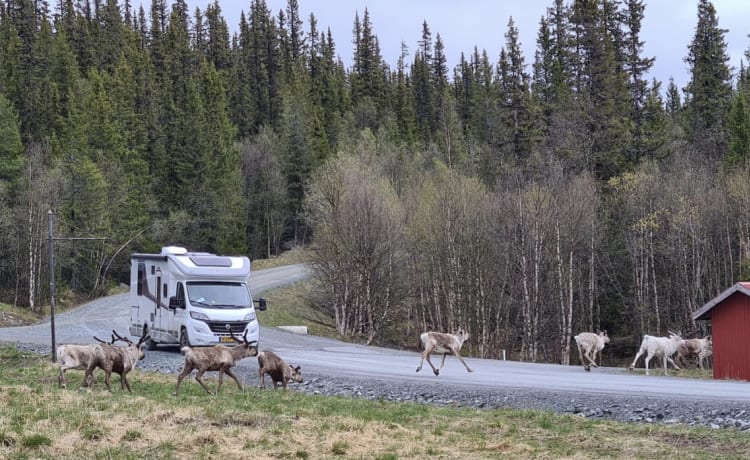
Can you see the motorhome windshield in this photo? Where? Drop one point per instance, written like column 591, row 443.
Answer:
column 213, row 294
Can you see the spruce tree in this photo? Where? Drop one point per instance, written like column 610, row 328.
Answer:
column 709, row 91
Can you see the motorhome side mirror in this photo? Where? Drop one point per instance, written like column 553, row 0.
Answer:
column 174, row 303
column 261, row 304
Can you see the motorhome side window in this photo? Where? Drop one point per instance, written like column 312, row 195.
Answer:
column 164, row 291
column 180, row 292
column 141, row 277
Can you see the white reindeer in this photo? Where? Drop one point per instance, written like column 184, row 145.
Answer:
column 663, row 347
column 72, row 356
column 441, row 342
column 589, row 344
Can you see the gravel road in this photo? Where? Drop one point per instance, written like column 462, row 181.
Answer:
column 102, row 315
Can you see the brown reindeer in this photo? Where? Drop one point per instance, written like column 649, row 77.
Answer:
column 120, row 360
column 441, row 342
column 280, row 372
column 216, row 358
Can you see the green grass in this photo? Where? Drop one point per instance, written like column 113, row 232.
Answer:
column 40, row 420
column 291, row 306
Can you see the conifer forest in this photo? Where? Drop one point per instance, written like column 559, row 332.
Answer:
column 523, row 198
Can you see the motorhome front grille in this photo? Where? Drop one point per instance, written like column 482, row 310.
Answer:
column 225, row 327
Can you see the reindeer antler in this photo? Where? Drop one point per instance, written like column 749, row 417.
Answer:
column 119, row 337
column 244, row 338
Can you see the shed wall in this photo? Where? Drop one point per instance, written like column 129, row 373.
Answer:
column 730, row 328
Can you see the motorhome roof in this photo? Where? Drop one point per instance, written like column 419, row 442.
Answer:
column 201, row 264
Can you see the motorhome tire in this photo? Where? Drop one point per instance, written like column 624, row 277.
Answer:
column 150, row 344
column 184, row 339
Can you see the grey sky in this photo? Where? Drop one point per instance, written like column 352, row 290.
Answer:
column 668, row 26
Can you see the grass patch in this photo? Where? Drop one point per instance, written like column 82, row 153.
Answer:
column 291, row 306
column 40, row 420
column 293, row 256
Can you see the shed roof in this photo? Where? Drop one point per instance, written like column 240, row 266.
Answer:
column 704, row 313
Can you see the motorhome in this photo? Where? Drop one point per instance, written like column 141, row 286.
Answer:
column 191, row 298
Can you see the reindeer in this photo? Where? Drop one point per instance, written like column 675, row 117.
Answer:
column 216, row 358
column 440, row 342
column 120, row 360
column 272, row 364
column 72, row 356
column 663, row 347
column 589, row 344
column 702, row 348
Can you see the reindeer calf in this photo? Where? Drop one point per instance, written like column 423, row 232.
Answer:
column 589, row 344
column 272, row 364
column 216, row 358
column 441, row 342
column 702, row 348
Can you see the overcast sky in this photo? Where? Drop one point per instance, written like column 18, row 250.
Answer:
column 668, row 26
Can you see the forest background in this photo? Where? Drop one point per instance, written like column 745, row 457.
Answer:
column 522, row 198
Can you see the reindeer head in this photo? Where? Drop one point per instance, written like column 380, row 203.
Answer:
column 295, row 373
column 245, row 349
column 462, row 335
column 139, row 347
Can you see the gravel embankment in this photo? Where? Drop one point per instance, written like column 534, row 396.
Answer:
column 712, row 414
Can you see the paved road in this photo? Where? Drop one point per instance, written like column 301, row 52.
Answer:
column 331, row 357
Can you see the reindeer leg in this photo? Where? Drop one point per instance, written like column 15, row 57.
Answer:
column 419, row 368
column 200, row 380
column 221, row 379
column 463, row 362
column 231, row 374
column 434, row 369
column 648, row 358
column 187, row 370
column 586, row 367
column 667, row 358
column 442, row 362
column 124, row 379
column 262, row 371
column 638, row 355
column 106, row 379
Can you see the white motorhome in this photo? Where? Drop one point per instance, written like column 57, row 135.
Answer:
column 191, row 298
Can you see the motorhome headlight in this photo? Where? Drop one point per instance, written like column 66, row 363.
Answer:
column 199, row 316
column 250, row 316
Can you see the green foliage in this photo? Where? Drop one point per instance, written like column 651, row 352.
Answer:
column 11, row 149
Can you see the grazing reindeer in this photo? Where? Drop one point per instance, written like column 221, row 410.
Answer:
column 702, row 348
column 440, row 342
column 120, row 360
column 272, row 364
column 663, row 347
column 216, row 358
column 71, row 356
column 589, row 344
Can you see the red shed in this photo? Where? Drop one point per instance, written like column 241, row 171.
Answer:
column 729, row 314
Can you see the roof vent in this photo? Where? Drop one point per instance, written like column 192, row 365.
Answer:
column 177, row 250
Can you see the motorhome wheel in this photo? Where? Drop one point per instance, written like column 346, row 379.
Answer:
column 184, row 339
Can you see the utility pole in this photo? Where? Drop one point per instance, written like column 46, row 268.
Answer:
column 50, row 222
column 51, row 226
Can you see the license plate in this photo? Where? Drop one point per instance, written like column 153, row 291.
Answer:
column 226, row 339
